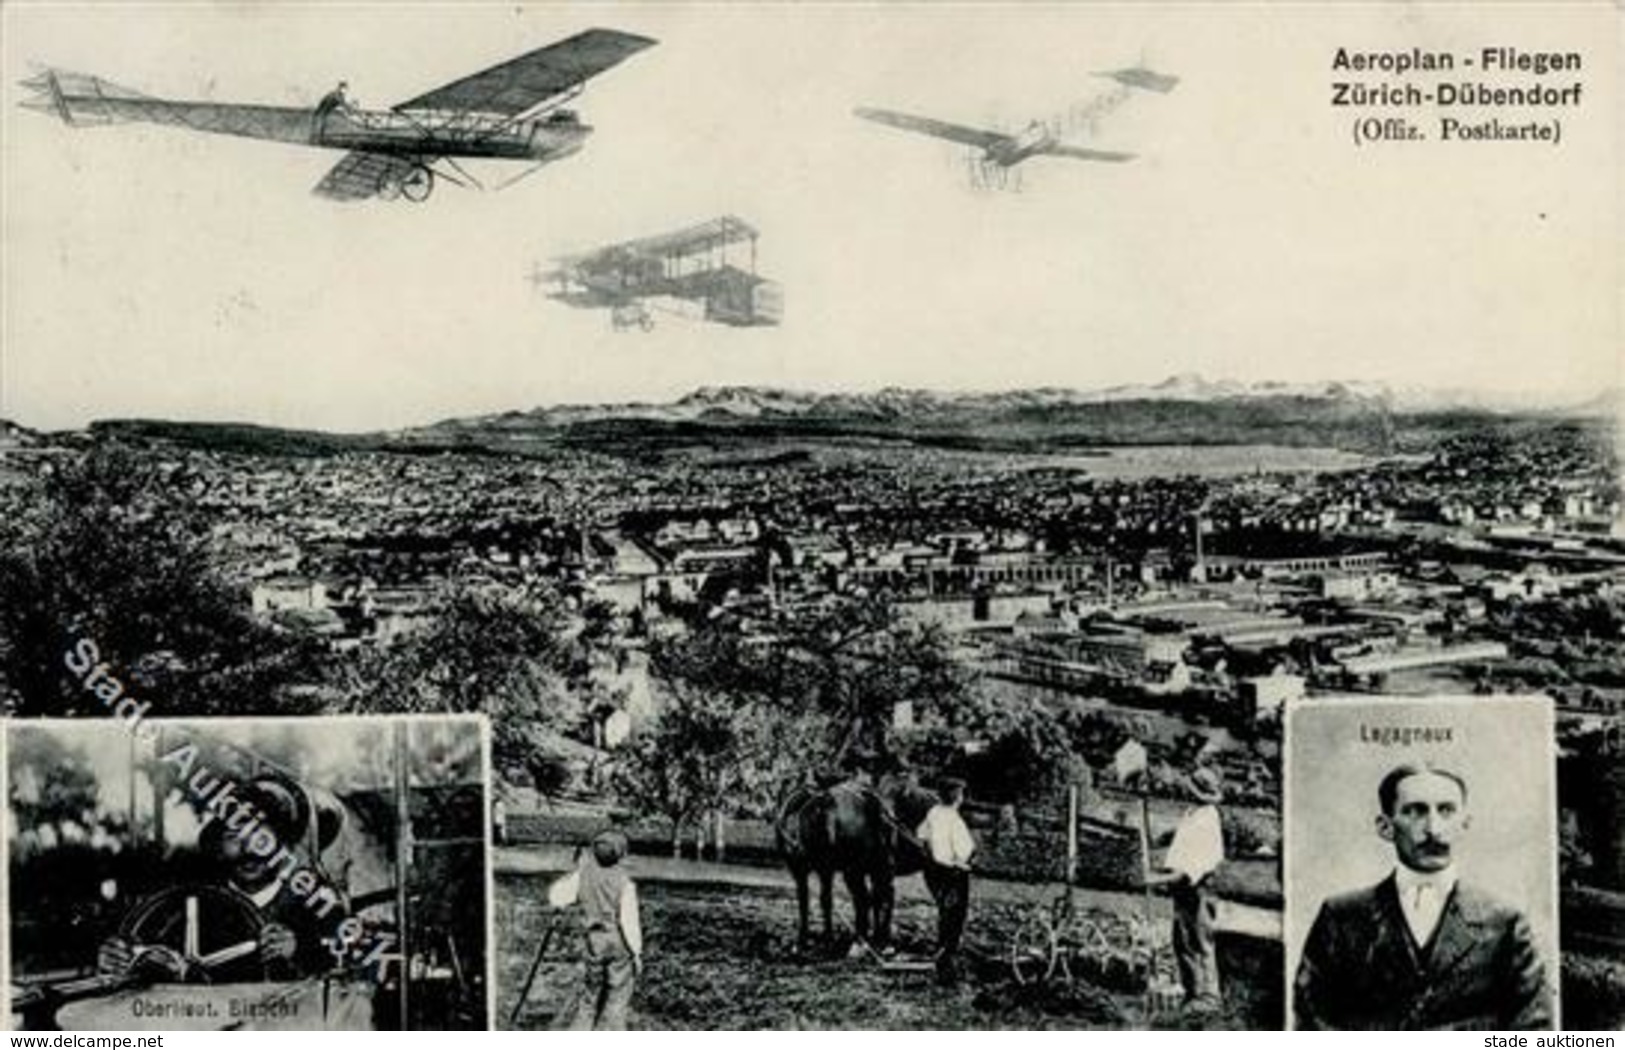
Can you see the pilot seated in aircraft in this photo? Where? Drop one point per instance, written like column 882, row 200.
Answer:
column 288, row 934
column 337, row 100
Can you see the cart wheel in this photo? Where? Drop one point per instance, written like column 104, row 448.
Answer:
column 1090, row 938
column 1033, row 950
column 1080, row 946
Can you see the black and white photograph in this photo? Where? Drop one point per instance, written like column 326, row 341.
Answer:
column 1591, row 856
column 1421, row 866
column 881, row 472
column 269, row 875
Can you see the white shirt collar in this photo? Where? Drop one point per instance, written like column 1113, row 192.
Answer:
column 263, row 896
column 1408, row 880
column 1422, row 897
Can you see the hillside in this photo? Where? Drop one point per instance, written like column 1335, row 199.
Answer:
column 13, row 436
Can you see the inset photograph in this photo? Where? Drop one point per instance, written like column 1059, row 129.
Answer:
column 271, row 874
column 1421, row 859
column 1591, row 858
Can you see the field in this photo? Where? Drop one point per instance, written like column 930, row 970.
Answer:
column 722, row 956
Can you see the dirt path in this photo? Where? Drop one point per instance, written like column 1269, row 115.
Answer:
column 546, row 859
column 721, row 953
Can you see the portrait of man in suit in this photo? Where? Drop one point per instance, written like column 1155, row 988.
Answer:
column 1425, row 947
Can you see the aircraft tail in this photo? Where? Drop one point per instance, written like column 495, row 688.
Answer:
column 78, row 98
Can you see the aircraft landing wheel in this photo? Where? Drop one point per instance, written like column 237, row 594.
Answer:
column 389, row 188
column 417, row 184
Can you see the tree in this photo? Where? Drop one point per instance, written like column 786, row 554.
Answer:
column 110, row 549
column 690, row 763
column 825, row 688
column 1009, row 751
column 51, row 782
column 854, row 665
column 501, row 653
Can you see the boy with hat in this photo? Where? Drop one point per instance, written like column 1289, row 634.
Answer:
column 614, row 934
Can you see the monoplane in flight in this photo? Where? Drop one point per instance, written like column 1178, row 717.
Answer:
column 999, row 150
column 996, row 153
column 511, row 111
column 1142, row 78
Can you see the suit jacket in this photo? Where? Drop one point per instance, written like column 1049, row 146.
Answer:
column 1361, row 969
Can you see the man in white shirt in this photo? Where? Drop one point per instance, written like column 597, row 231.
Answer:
column 1421, row 949
column 948, row 847
column 614, row 934
column 1196, row 851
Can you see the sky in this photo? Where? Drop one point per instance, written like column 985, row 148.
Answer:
column 156, row 272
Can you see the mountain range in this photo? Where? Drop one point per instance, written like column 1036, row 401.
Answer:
column 897, row 403
column 1183, row 409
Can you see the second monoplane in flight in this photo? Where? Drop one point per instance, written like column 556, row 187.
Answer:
column 511, row 111
column 997, row 153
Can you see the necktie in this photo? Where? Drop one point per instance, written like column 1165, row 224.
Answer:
column 1422, row 908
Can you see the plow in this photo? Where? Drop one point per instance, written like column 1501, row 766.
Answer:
column 1060, row 943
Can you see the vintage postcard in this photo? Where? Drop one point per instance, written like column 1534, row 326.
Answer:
column 1421, row 863
column 882, row 470
column 266, row 874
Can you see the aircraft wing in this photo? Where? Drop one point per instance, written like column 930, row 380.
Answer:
column 1143, row 78
column 936, row 128
column 359, row 175
column 1079, row 153
column 523, row 83
column 697, row 239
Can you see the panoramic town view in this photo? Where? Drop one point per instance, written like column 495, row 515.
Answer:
column 678, row 615
column 812, row 516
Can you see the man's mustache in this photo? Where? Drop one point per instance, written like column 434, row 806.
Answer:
column 1433, row 846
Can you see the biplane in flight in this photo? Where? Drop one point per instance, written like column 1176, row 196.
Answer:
column 997, row 153
column 511, row 111
column 688, row 264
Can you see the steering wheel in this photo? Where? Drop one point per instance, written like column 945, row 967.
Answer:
column 195, row 933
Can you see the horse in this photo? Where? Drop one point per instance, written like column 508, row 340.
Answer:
column 866, row 834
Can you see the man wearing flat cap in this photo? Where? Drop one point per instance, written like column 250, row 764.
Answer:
column 614, row 935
